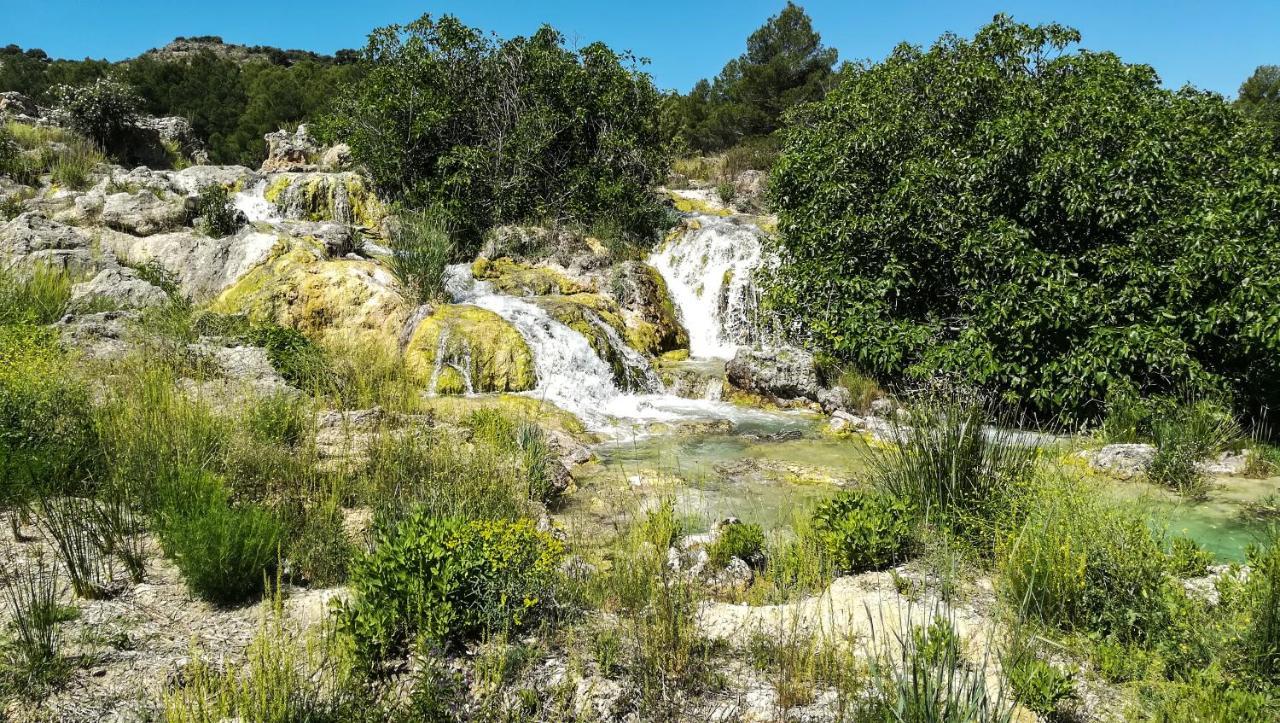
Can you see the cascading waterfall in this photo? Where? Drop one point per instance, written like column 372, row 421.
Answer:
column 709, row 272
column 253, row 203
column 569, row 372
column 639, row 374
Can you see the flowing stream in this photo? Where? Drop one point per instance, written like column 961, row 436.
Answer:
column 252, row 202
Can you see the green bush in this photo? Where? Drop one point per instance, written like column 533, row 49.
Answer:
column 102, row 111
column 1036, row 684
column 863, row 529
column 1081, row 563
column 744, row 541
column 421, row 248
column 446, row 580
column 1192, row 433
column 420, row 122
column 725, row 191
column 1262, row 640
column 1028, row 219
column 226, row 553
column 1187, row 558
column 214, row 213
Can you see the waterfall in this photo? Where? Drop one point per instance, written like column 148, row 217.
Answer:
column 252, row 202
column 709, row 272
column 639, row 374
column 573, row 377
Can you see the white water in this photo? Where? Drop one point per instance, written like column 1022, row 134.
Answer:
column 573, row 377
column 253, row 203
column 719, row 316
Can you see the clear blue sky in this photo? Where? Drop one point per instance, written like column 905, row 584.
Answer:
column 1213, row 45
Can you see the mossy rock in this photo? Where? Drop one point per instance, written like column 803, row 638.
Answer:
column 515, row 279
column 297, row 287
column 471, row 342
column 652, row 325
column 341, row 197
column 695, row 205
column 580, row 312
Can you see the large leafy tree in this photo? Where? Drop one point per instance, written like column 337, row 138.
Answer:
column 1035, row 221
column 785, row 64
column 1260, row 98
column 492, row 131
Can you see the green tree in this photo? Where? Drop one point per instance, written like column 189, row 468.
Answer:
column 1260, row 98
column 1033, row 221
column 785, row 65
column 497, row 131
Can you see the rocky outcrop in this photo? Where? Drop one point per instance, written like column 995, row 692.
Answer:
column 653, row 326
column 336, row 158
column 143, row 213
column 33, row 239
column 116, row 288
column 287, row 151
column 1123, row 461
column 463, row 349
column 204, row 267
column 782, row 373
column 516, row 279
column 344, row 198
column 18, row 107
column 177, row 133
column 103, row 335
column 749, row 190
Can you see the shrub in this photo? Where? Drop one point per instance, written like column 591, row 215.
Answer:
column 214, row 213
column 421, row 248
column 419, row 121
column 226, row 554
column 744, row 541
column 991, row 209
column 1184, row 438
column 73, row 167
column 958, row 464
column 446, row 580
column 32, row 658
column 72, row 523
column 10, row 160
column 1036, row 684
column 1080, row 563
column 102, row 111
column 864, row 529
column 725, row 191
column 1262, row 640
column 277, row 418
column 1187, row 558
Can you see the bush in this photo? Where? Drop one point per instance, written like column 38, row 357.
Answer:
column 214, row 213
column 421, row 248
column 743, row 541
column 958, row 464
column 725, row 191
column 446, row 580
column 1188, row 559
column 103, row 111
column 864, row 529
column 1036, row 684
column 582, row 141
column 1079, row 563
column 1190, row 434
column 1262, row 640
column 994, row 209
column 226, row 554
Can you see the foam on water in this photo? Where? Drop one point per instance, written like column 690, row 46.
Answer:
column 254, row 204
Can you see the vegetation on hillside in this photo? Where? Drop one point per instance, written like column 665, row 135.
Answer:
column 1039, row 222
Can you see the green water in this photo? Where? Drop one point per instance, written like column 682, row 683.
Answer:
column 1221, row 523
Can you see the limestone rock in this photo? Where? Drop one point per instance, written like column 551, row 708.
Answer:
column 19, row 107
column 598, row 698
column 103, row 336
column 33, row 239
column 749, row 190
column 290, row 152
column 118, row 287
column 204, row 267
column 462, row 348
column 177, row 132
column 336, row 158
column 1123, row 461
column 776, row 372
column 653, row 327
column 144, row 213
column 190, row 180
column 344, row 198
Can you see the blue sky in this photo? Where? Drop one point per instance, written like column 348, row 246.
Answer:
column 1213, row 45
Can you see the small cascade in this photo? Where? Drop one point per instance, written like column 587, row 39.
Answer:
column 709, row 272
column 253, row 203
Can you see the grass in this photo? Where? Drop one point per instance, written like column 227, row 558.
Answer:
column 36, row 295
column 33, row 660
column 421, row 248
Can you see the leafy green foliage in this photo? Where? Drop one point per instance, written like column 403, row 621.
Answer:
column 1263, row 636
column 744, row 541
column 301, row 362
column 1038, row 685
column 226, row 553
column 863, row 529
column 785, row 65
column 1034, row 221
column 578, row 137
column 102, row 111
column 447, row 579
column 1190, row 434
column 1187, row 558
column 217, row 217
column 1260, row 99
column 421, row 248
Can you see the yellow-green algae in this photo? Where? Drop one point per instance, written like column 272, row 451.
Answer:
column 474, row 339
column 516, row 279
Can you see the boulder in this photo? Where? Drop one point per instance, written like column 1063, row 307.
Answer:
column 204, row 267
column 117, row 287
column 19, row 107
column 103, row 336
column 338, row 197
column 781, row 373
column 653, row 327
column 1123, row 461
column 464, row 349
column 176, row 132
column 193, row 178
column 749, row 189
column 336, row 158
column 290, row 151
column 144, row 213
column 33, row 239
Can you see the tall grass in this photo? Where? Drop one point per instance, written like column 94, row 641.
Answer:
column 1191, row 433
column 421, row 248
column 81, row 543
column 38, row 295
column 33, row 657
column 68, row 157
